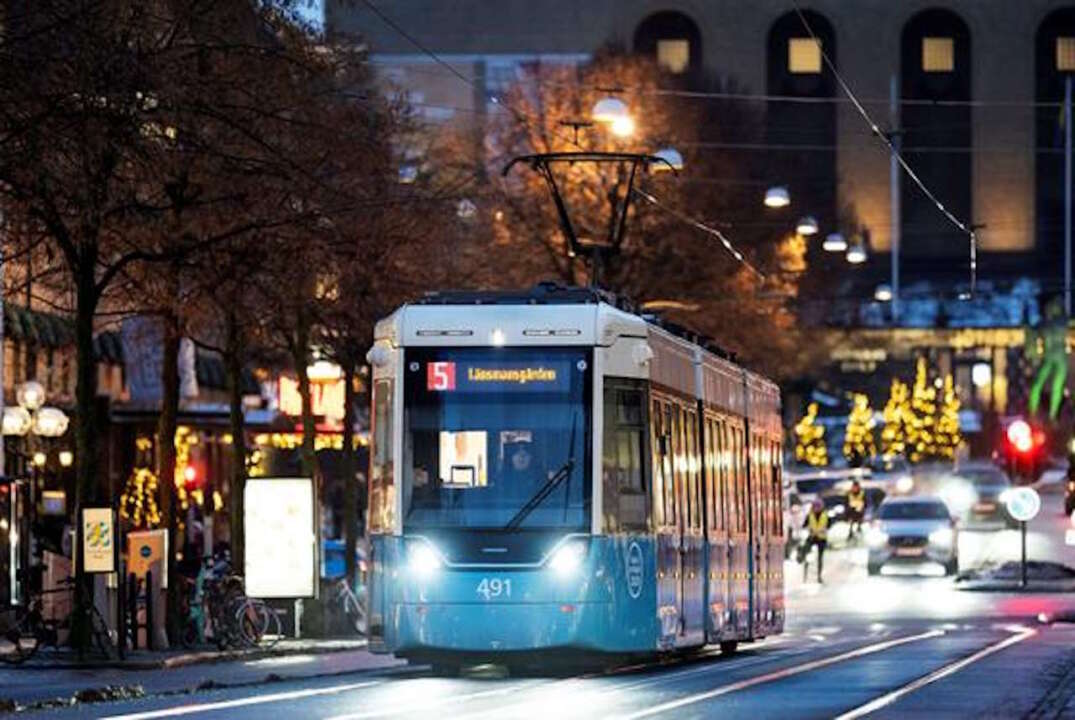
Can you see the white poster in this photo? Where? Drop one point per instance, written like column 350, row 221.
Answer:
column 281, row 545
column 98, row 540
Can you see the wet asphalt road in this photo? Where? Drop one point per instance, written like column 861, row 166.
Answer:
column 855, row 647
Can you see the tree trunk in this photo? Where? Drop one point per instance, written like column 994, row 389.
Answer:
column 166, row 430
column 238, row 442
column 86, row 434
column 350, row 484
column 301, row 356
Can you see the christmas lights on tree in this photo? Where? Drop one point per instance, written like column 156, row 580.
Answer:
column 921, row 440
column 898, row 417
column 859, row 445
column 138, row 502
column 947, row 434
column 810, row 439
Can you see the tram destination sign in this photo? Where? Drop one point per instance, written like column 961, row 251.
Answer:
column 486, row 376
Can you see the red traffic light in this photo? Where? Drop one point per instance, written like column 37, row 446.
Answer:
column 190, row 477
column 1020, row 436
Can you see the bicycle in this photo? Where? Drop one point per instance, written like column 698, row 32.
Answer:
column 29, row 629
column 348, row 603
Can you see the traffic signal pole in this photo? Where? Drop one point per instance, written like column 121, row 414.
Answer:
column 1022, row 531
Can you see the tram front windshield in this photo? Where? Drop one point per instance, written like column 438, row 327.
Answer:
column 496, row 438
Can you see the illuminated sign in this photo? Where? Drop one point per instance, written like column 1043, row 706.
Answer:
column 326, row 398
column 278, row 518
column 511, row 375
column 98, row 540
column 447, row 376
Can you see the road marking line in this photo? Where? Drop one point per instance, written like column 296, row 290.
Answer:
column 781, row 674
column 426, row 705
column 889, row 698
column 239, row 702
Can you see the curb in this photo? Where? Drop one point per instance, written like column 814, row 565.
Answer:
column 204, row 657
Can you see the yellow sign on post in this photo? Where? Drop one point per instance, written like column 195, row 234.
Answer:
column 145, row 550
column 98, row 540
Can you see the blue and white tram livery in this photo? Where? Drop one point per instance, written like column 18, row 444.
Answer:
column 551, row 473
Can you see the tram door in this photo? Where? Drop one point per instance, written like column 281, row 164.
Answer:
column 716, row 464
column 667, row 521
column 740, row 534
column 692, row 538
column 759, row 500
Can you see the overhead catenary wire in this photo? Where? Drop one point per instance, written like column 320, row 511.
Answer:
column 966, row 227
column 709, row 230
column 523, row 118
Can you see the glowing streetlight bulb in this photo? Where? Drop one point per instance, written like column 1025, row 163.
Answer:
column 623, row 127
column 777, row 197
column 883, row 293
column 807, row 226
column 834, row 242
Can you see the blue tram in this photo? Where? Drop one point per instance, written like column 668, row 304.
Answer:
column 552, row 473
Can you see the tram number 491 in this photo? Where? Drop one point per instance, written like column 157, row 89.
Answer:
column 490, row 588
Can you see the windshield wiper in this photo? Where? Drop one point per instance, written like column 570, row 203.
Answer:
column 551, row 484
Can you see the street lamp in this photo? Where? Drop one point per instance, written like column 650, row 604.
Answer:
column 883, row 293
column 777, row 197
column 856, row 252
column 807, row 225
column 613, row 112
column 834, row 242
column 670, row 156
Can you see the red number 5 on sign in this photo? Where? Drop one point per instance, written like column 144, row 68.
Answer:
column 440, row 376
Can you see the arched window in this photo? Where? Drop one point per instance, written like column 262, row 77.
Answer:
column 673, row 38
column 1054, row 63
column 935, row 65
column 795, row 67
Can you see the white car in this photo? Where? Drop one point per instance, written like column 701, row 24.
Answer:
column 913, row 531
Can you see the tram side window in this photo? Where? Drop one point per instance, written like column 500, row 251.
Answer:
column 778, row 490
column 673, row 424
column 623, row 459
column 382, row 490
column 693, row 469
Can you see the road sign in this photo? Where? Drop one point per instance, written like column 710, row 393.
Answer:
column 1023, row 503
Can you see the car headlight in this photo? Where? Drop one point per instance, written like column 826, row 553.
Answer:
column 836, row 510
column 876, row 537
column 905, row 484
column 1004, row 495
column 958, row 497
column 567, row 558
column 422, row 559
column 941, row 536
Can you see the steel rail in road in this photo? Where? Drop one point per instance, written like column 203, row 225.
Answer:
column 781, row 674
column 943, row 672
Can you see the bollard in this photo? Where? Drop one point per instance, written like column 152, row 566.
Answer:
column 150, row 642
column 132, row 609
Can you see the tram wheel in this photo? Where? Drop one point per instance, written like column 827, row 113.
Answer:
column 728, row 647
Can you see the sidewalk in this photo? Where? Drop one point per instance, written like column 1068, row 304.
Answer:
column 51, row 659
column 58, row 681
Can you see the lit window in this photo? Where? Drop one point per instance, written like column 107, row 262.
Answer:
column 804, row 55
column 674, row 55
column 1065, row 54
column 938, row 54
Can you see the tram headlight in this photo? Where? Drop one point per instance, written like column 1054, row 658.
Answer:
column 567, row 558
column 905, row 484
column 422, row 559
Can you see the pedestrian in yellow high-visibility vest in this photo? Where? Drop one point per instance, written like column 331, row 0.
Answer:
column 817, row 527
column 856, row 509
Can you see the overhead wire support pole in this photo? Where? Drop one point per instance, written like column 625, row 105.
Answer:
column 876, row 130
column 894, row 193
column 1067, row 196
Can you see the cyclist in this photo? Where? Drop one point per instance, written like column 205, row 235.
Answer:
column 817, row 527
